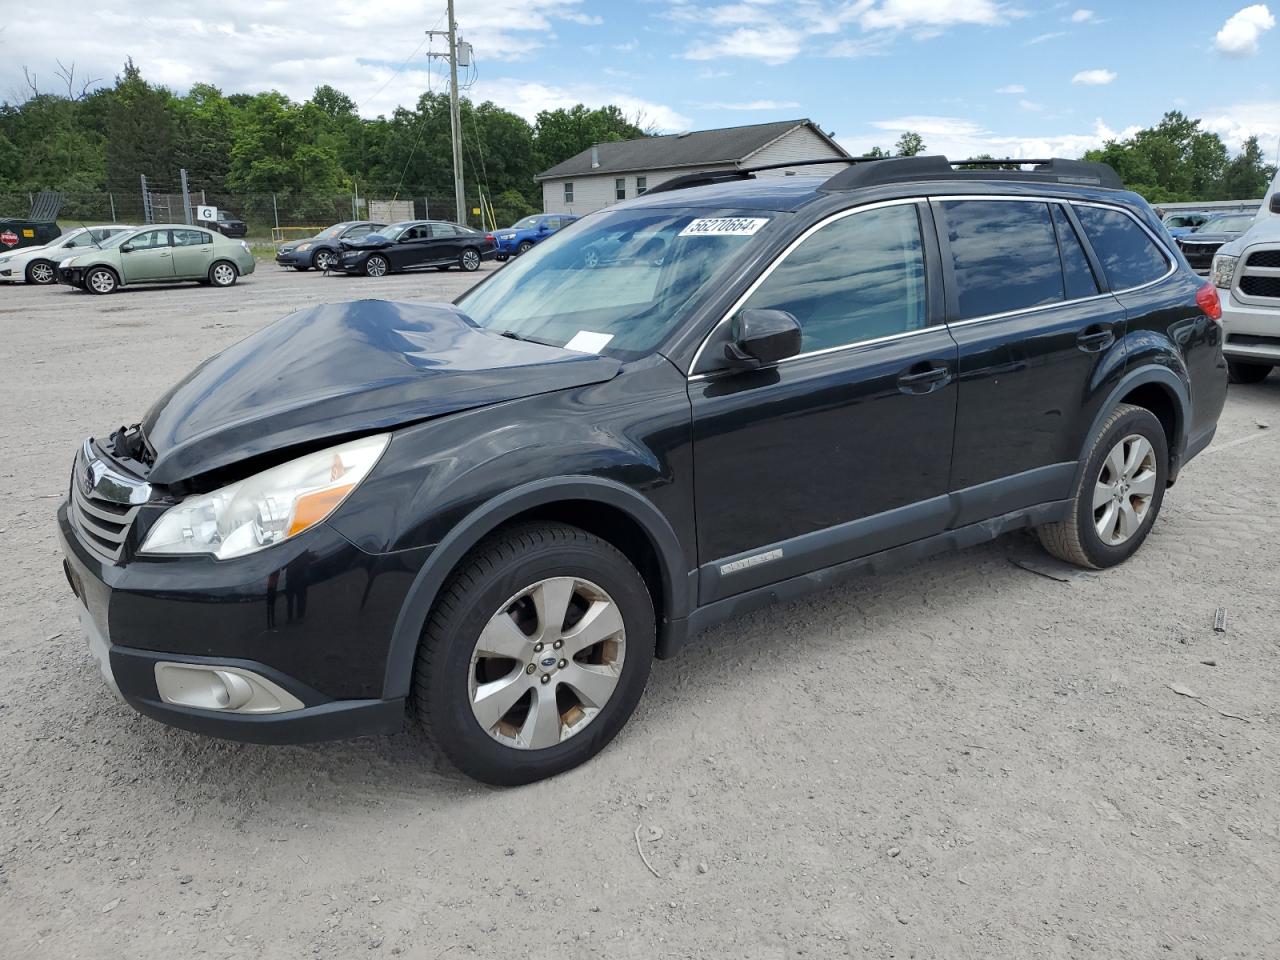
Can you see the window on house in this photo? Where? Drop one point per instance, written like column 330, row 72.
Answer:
column 620, row 188
column 568, row 192
column 642, row 186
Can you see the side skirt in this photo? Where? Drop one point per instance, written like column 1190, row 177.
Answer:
column 680, row 632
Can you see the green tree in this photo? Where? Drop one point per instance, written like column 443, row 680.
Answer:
column 1170, row 162
column 142, row 132
column 560, row 134
column 909, row 144
column 1247, row 175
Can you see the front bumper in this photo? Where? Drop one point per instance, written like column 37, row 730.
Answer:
column 1252, row 331
column 292, row 258
column 71, row 275
column 314, row 621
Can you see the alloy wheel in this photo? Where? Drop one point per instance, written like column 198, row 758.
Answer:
column 546, row 663
column 41, row 272
column 324, row 260
column 102, row 281
column 470, row 259
column 375, row 267
column 224, row 274
column 1124, row 489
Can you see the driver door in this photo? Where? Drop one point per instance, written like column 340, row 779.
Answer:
column 149, row 256
column 413, row 249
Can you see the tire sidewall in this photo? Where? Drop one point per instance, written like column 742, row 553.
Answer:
column 463, row 261
column 89, row 286
column 1136, row 421
column 31, row 278
column 447, row 701
column 235, row 274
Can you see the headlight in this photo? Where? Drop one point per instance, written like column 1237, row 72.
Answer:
column 266, row 508
column 507, row 236
column 246, row 247
column 302, row 246
column 1224, row 271
column 4, row 259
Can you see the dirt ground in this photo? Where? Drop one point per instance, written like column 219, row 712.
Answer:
column 964, row 759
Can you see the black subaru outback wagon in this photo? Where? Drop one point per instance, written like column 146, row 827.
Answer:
column 497, row 512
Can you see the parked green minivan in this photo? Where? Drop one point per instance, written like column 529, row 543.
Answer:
column 158, row 253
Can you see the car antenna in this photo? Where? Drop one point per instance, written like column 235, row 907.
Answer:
column 92, row 238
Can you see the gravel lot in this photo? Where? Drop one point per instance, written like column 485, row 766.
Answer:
column 961, row 760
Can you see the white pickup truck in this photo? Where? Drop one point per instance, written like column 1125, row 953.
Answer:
column 1247, row 271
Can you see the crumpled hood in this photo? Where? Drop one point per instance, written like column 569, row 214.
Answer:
column 345, row 368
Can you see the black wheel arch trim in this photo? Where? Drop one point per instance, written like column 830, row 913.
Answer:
column 677, row 584
column 1161, row 376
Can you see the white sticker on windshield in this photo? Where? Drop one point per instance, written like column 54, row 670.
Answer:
column 724, row 227
column 585, row 341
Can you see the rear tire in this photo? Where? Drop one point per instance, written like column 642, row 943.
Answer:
column 41, row 272
column 223, row 274
column 101, row 280
column 536, row 722
column 1119, row 493
column 469, row 260
column 1238, row 372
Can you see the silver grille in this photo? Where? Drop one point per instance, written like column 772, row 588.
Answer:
column 103, row 502
column 1259, row 276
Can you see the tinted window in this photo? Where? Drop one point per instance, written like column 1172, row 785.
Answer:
column 444, row 230
column 1076, row 271
column 1129, row 257
column 856, row 279
column 1005, row 256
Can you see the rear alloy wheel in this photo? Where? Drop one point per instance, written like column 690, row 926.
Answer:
column 223, row 274
column 376, row 266
column 1119, row 493
column 535, row 654
column 524, row 247
column 324, row 260
column 470, row 259
column 41, row 272
column 101, row 280
column 1247, row 372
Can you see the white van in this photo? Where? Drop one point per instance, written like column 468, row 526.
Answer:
column 1247, row 272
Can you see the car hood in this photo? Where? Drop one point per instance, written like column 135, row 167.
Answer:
column 1210, row 237
column 345, row 368
column 365, row 243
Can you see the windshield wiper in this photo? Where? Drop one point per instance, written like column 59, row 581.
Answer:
column 512, row 335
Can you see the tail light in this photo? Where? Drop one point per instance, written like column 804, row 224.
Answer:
column 1208, row 301
column 488, row 238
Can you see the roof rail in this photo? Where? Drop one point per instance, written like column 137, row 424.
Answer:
column 705, row 177
column 903, row 169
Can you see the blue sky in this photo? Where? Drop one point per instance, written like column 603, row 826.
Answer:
column 1018, row 78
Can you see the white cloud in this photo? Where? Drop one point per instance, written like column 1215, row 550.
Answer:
column 1030, row 105
column 1094, row 78
column 529, row 98
column 901, row 14
column 1238, row 122
column 1240, row 34
column 959, row 138
column 1041, row 38
column 1083, row 16
column 751, row 105
column 1012, row 88
column 771, row 44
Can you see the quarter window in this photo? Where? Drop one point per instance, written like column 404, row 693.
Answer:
column 568, row 192
column 1129, row 256
column 1004, row 256
column 856, row 279
column 1077, row 275
column 620, row 188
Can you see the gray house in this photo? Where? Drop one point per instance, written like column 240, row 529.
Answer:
column 611, row 172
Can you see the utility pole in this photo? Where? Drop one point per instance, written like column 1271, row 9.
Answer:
column 186, row 195
column 455, row 123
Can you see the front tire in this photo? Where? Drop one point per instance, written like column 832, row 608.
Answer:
column 41, row 272
column 1119, row 493
column 535, row 654
column 223, row 274
column 101, row 281
column 324, row 260
column 376, row 266
column 524, row 248
column 1247, row 372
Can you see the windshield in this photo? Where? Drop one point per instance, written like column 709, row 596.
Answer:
column 392, row 230
column 1239, row 222
column 335, row 231
column 528, row 223
column 614, row 282
column 79, row 237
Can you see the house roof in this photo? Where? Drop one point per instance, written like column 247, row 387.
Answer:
column 725, row 145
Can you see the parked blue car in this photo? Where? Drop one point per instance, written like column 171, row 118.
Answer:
column 1182, row 222
column 517, row 239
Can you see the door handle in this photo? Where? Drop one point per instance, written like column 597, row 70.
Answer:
column 924, row 377
column 1094, row 339
column 164, row 254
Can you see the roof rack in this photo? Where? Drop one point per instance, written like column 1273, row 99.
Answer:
column 874, row 171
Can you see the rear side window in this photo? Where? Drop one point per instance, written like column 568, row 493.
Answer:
column 1004, row 256
column 858, row 278
column 1129, row 256
column 1077, row 275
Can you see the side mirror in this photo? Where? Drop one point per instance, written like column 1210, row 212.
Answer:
column 543, row 228
column 126, row 248
column 1275, row 202
column 760, row 338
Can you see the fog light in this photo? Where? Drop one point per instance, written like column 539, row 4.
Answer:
column 225, row 689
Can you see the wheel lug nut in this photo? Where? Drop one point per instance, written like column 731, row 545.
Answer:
column 546, row 678
column 537, row 648
column 530, row 668
column 558, row 644
column 561, row 665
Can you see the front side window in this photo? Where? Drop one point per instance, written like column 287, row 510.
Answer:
column 620, row 281
column 568, row 193
column 190, row 238
column 150, row 239
column 620, row 188
column 1129, row 256
column 859, row 278
column 1004, row 256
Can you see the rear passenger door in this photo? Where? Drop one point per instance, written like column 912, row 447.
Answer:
column 192, row 253
column 446, row 243
column 1039, row 349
